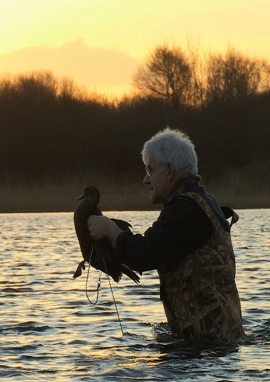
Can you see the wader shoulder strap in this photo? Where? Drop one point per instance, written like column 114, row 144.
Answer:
column 227, row 211
column 230, row 213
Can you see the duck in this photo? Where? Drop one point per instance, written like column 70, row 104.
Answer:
column 99, row 254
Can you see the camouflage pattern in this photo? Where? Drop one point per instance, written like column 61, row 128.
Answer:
column 199, row 295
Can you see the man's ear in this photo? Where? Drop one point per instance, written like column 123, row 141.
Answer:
column 171, row 171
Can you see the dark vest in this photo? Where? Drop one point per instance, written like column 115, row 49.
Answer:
column 199, row 294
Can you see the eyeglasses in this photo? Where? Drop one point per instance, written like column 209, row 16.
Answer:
column 148, row 171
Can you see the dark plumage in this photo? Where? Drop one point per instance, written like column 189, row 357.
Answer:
column 100, row 253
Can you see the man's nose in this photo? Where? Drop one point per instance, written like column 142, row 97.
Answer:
column 146, row 180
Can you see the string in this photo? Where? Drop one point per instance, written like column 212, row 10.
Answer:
column 113, row 298
column 86, row 284
column 98, row 288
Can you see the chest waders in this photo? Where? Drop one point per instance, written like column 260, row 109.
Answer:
column 199, row 295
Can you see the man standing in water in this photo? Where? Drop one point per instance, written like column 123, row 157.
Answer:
column 189, row 244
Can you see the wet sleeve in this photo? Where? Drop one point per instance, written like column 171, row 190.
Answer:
column 177, row 232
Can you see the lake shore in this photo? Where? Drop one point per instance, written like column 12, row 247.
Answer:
column 61, row 197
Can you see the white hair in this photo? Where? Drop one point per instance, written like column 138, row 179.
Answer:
column 172, row 146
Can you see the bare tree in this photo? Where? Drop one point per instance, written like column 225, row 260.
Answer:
column 166, row 74
column 197, row 89
column 233, row 76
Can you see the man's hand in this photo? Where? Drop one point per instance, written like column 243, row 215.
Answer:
column 101, row 226
column 98, row 226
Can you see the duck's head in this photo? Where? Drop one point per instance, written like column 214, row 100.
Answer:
column 92, row 193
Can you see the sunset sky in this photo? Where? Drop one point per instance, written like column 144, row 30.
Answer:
column 99, row 43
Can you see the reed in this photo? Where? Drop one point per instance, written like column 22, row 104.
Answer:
column 237, row 188
column 55, row 196
column 245, row 187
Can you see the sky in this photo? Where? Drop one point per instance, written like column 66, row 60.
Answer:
column 100, row 43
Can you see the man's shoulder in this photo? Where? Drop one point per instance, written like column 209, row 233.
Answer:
column 184, row 207
column 185, row 200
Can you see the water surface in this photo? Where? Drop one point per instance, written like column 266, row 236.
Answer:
column 50, row 332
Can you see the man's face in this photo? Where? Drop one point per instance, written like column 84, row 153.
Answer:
column 157, row 179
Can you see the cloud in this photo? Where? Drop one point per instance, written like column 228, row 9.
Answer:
column 99, row 69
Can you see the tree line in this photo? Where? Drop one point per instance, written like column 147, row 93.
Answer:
column 51, row 130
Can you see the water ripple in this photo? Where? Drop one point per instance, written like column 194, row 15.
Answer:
column 49, row 331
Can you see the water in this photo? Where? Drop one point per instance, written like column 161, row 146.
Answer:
column 50, row 332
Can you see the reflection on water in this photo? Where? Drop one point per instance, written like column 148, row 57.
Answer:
column 49, row 331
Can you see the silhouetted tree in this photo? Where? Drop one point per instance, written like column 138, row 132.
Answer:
column 233, row 77
column 50, row 129
column 197, row 91
column 166, row 74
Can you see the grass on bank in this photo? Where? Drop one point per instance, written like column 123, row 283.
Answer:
column 60, row 197
column 237, row 189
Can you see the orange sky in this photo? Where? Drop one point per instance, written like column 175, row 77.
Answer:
column 99, row 43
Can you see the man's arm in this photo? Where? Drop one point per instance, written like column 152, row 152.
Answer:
column 178, row 231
